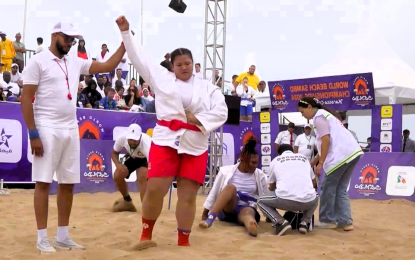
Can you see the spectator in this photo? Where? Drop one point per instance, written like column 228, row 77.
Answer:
column 286, row 137
column 346, row 125
column 253, row 79
column 198, row 74
column 20, row 49
column 247, row 94
column 234, row 85
column 7, row 52
column 106, row 89
column 146, row 98
column 305, row 144
column 118, row 76
column 86, row 80
column 166, row 63
column 39, row 45
column 108, row 102
column 10, row 89
column 151, row 107
column 81, row 99
column 2, row 96
column 103, row 57
column 119, row 98
column 408, row 145
column 367, row 148
column 145, row 86
column 133, row 97
column 101, row 87
column 16, row 77
column 82, row 52
column 92, row 94
column 124, row 66
column 293, row 181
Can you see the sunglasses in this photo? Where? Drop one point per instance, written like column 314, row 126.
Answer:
column 67, row 38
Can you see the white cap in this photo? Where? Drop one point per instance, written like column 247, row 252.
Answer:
column 308, row 125
column 67, row 28
column 14, row 64
column 134, row 132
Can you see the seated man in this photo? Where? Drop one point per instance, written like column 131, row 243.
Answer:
column 108, row 102
column 137, row 146
column 291, row 177
column 235, row 192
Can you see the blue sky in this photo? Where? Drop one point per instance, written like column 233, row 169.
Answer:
column 286, row 39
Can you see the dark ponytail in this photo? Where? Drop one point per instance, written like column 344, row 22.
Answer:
column 180, row 52
column 313, row 102
column 249, row 149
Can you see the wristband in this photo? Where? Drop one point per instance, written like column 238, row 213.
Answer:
column 33, row 134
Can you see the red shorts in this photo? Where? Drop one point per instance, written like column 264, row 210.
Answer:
column 166, row 162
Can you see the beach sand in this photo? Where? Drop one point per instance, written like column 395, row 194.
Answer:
column 383, row 230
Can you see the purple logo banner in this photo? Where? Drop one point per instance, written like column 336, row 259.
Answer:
column 386, row 134
column 344, row 92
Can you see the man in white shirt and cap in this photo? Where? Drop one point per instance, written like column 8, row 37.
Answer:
column 137, row 147
column 305, row 143
column 286, row 137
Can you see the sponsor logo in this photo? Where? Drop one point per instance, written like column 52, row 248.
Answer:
column 361, row 92
column 96, row 167
column 228, row 149
column 266, row 170
column 10, row 141
column 266, row 149
column 400, row 181
column 386, row 124
column 386, row 137
column 385, row 148
column 90, row 128
column 386, row 111
column 265, row 138
column 246, row 133
column 279, row 101
column 369, row 179
column 266, row 160
column 265, row 117
column 265, row 128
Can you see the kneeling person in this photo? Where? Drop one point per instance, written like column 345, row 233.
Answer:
column 137, row 146
column 292, row 179
column 235, row 192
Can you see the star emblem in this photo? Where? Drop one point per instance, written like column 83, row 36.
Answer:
column 4, row 138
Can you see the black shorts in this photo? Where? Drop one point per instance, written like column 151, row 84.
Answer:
column 133, row 164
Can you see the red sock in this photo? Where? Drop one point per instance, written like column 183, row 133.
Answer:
column 183, row 237
column 147, row 232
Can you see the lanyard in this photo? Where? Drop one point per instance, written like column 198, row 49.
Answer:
column 66, row 77
column 308, row 139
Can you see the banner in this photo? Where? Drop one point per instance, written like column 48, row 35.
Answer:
column 345, row 92
column 386, row 134
column 103, row 126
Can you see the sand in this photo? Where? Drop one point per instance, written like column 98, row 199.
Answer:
column 383, row 230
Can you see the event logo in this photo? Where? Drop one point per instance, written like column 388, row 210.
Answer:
column 385, row 148
column 400, row 181
column 96, row 168
column 361, row 91
column 246, row 133
column 266, row 149
column 279, row 97
column 228, row 149
column 10, row 141
column 90, row 128
column 369, row 179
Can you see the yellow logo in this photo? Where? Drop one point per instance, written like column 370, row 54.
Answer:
column 150, row 132
column 265, row 117
column 387, row 111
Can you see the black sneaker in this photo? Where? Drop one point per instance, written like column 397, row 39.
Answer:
column 303, row 227
column 280, row 229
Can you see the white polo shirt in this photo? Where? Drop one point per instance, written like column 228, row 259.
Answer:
column 141, row 151
column 15, row 78
column 306, row 145
column 293, row 176
column 52, row 108
column 15, row 89
column 124, row 83
column 284, row 137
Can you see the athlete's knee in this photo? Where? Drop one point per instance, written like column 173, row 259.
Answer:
column 120, row 175
column 230, row 188
column 142, row 176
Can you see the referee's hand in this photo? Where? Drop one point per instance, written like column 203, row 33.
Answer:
column 37, row 147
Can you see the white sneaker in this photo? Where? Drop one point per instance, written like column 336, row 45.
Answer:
column 45, row 246
column 67, row 244
column 324, row 225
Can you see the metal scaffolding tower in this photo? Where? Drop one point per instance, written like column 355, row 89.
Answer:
column 214, row 59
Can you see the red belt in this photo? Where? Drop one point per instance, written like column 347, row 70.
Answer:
column 176, row 125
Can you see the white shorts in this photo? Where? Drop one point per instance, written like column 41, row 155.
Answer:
column 61, row 154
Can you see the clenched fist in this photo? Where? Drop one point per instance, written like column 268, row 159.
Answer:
column 122, row 23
